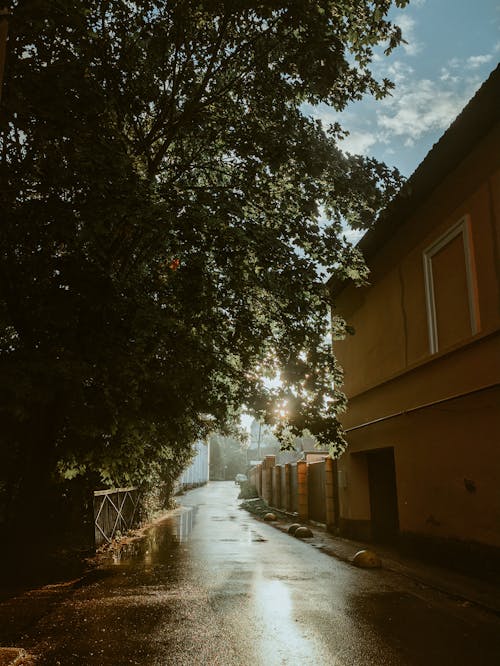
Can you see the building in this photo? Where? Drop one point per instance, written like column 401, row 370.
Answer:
column 198, row 471
column 422, row 370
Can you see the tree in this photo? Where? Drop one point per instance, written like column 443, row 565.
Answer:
column 263, row 441
column 228, row 457
column 160, row 248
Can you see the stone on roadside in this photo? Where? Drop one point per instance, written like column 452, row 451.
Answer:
column 303, row 533
column 269, row 516
column 366, row 559
column 293, row 527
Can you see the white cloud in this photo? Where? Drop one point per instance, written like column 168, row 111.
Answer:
column 352, row 235
column 414, row 109
column 399, row 72
column 417, row 107
column 407, row 25
column 422, row 106
column 416, row 112
column 327, row 115
column 359, row 142
column 446, row 75
column 476, row 61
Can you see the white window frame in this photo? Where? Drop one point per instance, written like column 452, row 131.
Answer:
column 461, row 228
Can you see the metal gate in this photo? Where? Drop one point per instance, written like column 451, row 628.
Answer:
column 115, row 511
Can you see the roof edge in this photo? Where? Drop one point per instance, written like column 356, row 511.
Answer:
column 476, row 119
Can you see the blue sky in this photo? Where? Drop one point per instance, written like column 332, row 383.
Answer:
column 453, row 45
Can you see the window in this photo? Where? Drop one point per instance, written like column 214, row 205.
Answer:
column 450, row 287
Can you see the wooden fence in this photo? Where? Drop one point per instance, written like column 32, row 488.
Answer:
column 316, row 491
column 294, row 488
column 304, row 489
column 115, row 511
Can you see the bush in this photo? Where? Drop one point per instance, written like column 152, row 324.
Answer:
column 247, row 490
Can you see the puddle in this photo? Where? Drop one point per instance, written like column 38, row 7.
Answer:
column 160, row 543
column 185, row 523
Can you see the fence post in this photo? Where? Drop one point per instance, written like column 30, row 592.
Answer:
column 329, row 493
column 259, row 479
column 303, row 498
column 277, row 487
column 287, row 500
column 267, row 494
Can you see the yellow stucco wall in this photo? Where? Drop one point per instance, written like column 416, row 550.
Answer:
column 439, row 450
column 389, row 316
column 442, row 454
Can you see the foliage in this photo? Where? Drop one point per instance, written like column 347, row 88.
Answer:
column 262, row 440
column 228, row 457
column 247, row 490
column 160, row 246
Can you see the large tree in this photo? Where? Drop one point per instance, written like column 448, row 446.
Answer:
column 161, row 242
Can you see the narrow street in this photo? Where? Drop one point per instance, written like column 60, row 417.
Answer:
column 212, row 585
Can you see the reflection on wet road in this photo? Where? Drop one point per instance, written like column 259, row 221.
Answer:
column 210, row 585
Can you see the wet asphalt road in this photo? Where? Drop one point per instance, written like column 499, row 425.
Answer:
column 212, row 585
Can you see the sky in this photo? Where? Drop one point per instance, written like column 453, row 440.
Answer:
column 453, row 46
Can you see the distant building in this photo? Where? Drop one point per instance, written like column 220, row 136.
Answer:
column 197, row 472
column 422, row 371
